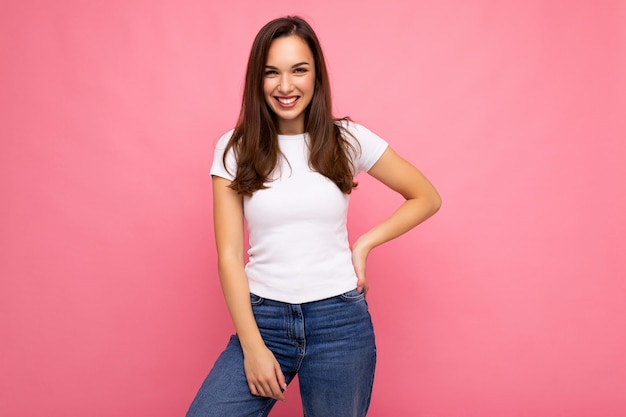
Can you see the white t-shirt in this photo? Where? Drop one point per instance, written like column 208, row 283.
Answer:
column 299, row 249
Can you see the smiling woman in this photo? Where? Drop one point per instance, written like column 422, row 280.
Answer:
column 298, row 305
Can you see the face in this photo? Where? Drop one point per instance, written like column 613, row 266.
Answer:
column 289, row 82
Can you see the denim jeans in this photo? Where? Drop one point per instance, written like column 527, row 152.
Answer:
column 329, row 344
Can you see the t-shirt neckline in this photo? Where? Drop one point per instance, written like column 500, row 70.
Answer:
column 292, row 137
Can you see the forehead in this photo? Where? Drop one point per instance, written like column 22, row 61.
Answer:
column 288, row 50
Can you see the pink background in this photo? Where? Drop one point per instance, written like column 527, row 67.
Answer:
column 510, row 302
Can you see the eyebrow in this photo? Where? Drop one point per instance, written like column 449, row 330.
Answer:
column 299, row 64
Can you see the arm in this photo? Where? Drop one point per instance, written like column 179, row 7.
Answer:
column 263, row 372
column 421, row 202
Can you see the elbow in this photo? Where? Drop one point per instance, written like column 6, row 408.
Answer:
column 431, row 203
column 435, row 202
column 426, row 206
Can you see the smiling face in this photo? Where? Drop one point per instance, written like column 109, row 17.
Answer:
column 289, row 82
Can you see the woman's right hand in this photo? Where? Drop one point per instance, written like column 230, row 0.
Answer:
column 265, row 378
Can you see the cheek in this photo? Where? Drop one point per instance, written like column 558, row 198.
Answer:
column 311, row 85
column 267, row 88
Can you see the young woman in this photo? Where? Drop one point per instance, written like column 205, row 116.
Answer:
column 298, row 305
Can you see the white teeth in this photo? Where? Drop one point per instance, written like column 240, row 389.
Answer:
column 287, row 100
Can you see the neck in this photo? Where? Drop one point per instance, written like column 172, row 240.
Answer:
column 291, row 127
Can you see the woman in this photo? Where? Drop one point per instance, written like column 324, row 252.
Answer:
column 298, row 305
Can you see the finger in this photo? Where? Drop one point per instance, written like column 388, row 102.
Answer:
column 360, row 279
column 260, row 389
column 273, row 390
column 253, row 389
column 264, row 390
column 361, row 283
column 280, row 377
column 270, row 389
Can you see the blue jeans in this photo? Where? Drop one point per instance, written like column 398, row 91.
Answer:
column 329, row 344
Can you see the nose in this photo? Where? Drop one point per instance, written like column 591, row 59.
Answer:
column 284, row 85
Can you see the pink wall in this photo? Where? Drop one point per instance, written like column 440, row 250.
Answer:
column 510, row 302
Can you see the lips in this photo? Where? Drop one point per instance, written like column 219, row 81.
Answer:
column 287, row 102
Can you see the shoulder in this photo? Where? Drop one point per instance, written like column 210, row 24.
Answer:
column 356, row 131
column 224, row 165
column 353, row 128
column 368, row 145
column 363, row 136
column 223, row 139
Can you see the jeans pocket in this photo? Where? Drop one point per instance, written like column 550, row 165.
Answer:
column 255, row 300
column 352, row 296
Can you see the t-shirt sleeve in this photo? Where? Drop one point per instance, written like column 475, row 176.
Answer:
column 371, row 147
column 218, row 169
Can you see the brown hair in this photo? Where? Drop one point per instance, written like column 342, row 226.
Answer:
column 255, row 139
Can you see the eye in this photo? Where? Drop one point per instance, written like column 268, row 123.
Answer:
column 301, row 70
column 270, row 72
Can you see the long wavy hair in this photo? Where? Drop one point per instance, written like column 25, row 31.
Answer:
column 255, row 139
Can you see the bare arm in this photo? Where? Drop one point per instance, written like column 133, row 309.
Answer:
column 421, row 202
column 263, row 372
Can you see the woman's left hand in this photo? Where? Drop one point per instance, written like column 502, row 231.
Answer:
column 359, row 262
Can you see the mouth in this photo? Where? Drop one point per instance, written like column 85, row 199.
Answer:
column 287, row 102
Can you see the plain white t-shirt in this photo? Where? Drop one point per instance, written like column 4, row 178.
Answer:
column 299, row 249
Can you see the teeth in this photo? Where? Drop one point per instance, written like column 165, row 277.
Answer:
column 287, row 100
